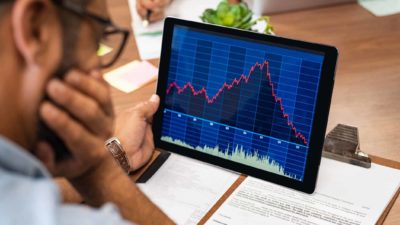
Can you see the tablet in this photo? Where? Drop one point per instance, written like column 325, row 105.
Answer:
column 248, row 102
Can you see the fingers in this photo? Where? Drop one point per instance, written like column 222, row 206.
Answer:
column 153, row 4
column 143, row 154
column 156, row 16
column 135, row 132
column 78, row 140
column 142, row 11
column 146, row 110
column 157, row 8
column 94, row 86
column 80, row 113
column 82, row 107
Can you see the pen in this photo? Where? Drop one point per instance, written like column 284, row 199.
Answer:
column 146, row 20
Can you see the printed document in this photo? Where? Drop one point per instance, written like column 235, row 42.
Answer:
column 345, row 194
column 186, row 189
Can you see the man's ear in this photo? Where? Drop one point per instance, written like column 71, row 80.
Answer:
column 37, row 33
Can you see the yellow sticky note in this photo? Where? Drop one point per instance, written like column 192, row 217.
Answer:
column 132, row 76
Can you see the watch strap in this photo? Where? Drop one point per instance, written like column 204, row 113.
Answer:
column 115, row 148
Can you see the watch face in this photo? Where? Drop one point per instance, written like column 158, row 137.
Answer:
column 113, row 148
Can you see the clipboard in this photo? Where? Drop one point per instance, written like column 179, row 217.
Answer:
column 351, row 155
column 341, row 144
column 162, row 154
column 374, row 159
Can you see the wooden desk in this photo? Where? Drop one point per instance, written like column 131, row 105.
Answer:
column 367, row 88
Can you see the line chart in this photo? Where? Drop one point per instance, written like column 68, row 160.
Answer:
column 252, row 103
column 234, row 83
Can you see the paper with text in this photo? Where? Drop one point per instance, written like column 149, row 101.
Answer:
column 345, row 194
column 185, row 189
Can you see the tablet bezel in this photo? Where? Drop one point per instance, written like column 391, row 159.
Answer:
column 321, row 109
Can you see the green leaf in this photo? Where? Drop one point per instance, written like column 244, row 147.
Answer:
column 222, row 9
column 236, row 11
column 244, row 20
column 244, row 9
column 247, row 26
column 229, row 19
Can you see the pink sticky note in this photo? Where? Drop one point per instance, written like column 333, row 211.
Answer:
column 132, row 76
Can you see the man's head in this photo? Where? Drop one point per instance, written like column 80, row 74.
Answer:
column 39, row 39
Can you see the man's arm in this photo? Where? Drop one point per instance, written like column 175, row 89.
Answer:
column 112, row 185
column 91, row 169
column 68, row 192
column 71, row 195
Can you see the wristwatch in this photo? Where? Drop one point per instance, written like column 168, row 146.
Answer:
column 117, row 151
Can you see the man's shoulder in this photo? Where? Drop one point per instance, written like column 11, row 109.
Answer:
column 12, row 183
column 26, row 200
column 37, row 201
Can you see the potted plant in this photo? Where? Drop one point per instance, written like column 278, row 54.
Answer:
column 237, row 15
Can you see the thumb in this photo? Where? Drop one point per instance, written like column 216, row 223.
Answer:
column 147, row 109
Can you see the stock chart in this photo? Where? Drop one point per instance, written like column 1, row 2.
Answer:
column 245, row 101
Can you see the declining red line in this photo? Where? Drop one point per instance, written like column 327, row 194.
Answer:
column 236, row 82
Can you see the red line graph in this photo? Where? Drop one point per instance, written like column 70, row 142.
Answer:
column 236, row 82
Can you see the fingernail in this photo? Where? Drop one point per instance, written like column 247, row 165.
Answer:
column 154, row 98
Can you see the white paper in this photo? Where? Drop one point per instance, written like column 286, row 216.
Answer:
column 381, row 7
column 149, row 46
column 345, row 194
column 186, row 189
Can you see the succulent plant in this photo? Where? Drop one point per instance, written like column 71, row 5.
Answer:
column 235, row 15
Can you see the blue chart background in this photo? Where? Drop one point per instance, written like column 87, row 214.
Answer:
column 247, row 115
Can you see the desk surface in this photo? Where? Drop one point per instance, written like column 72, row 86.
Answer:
column 367, row 88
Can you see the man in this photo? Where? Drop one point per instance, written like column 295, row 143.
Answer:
column 39, row 40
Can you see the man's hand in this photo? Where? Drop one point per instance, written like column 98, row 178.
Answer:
column 81, row 114
column 83, row 118
column 157, row 8
column 133, row 128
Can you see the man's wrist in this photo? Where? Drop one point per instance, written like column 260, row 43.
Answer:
column 116, row 149
column 92, row 181
column 95, row 171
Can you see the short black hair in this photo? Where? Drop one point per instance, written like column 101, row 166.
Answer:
column 70, row 24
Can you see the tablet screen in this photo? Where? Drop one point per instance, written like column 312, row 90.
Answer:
column 251, row 102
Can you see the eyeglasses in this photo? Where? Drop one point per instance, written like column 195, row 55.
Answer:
column 113, row 38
